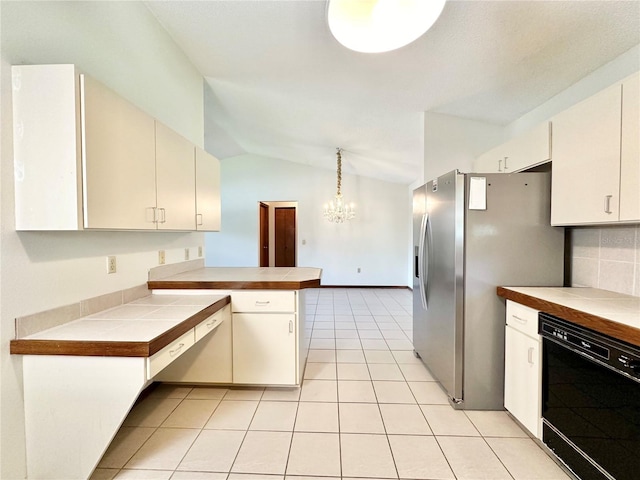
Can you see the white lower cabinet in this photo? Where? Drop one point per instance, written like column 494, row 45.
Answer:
column 264, row 348
column 209, row 360
column 523, row 372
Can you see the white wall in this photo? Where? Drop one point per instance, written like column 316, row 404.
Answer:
column 376, row 240
column 122, row 45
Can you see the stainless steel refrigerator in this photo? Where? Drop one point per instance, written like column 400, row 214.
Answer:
column 472, row 233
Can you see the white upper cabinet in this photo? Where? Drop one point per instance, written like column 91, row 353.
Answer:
column 524, row 151
column 175, row 180
column 46, row 148
column 118, row 160
column 588, row 169
column 630, row 151
column 207, row 191
column 85, row 158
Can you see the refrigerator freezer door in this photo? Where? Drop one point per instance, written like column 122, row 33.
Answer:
column 444, row 332
column 419, row 312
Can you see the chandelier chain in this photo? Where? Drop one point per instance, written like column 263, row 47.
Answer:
column 339, row 170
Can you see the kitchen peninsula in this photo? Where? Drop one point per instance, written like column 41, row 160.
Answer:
column 85, row 375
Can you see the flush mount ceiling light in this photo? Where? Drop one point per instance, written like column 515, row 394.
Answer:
column 372, row 26
column 338, row 210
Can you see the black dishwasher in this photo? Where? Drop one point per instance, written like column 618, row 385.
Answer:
column 590, row 400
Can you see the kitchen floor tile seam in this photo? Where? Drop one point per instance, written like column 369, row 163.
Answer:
column 244, row 437
column 498, row 457
column 485, row 442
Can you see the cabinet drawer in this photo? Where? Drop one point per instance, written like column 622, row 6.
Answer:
column 209, row 325
column 263, row 301
column 523, row 319
column 168, row 354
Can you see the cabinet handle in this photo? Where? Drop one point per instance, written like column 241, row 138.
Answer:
column 175, row 351
column 164, row 215
column 521, row 320
column 154, row 214
column 211, row 323
column 290, row 326
column 505, row 163
column 262, row 303
column 530, row 355
column 499, row 165
column 199, row 219
column 607, row 204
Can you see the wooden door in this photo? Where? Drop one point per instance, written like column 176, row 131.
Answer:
column 285, row 242
column 264, row 235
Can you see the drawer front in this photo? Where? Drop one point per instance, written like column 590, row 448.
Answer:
column 263, row 301
column 209, row 325
column 168, row 354
column 522, row 318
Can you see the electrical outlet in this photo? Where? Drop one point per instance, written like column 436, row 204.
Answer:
column 199, row 251
column 111, row 264
column 161, row 257
column 186, row 254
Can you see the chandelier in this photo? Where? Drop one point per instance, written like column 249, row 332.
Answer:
column 338, row 210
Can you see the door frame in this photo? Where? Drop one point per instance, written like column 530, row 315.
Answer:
column 263, row 234
column 272, row 206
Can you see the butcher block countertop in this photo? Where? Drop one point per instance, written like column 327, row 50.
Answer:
column 242, row 278
column 136, row 329
column 610, row 313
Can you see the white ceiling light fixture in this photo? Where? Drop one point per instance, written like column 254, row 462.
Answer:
column 373, row 26
column 338, row 210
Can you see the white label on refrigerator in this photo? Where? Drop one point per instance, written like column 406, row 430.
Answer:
column 477, row 193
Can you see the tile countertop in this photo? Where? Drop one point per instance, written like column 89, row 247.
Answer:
column 237, row 278
column 613, row 314
column 136, row 329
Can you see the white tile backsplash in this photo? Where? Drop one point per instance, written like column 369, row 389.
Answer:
column 606, row 258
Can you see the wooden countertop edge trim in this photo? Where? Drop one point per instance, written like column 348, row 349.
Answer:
column 232, row 285
column 115, row 348
column 616, row 330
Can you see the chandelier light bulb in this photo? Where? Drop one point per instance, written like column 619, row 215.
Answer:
column 373, row 26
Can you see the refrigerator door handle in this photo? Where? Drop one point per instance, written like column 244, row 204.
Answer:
column 421, row 260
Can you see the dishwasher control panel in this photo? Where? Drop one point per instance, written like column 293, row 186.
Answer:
column 606, row 350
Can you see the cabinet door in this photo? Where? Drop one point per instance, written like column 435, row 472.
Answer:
column 531, row 148
column 118, row 160
column 586, row 160
column 207, row 191
column 522, row 382
column 264, row 348
column 490, row 162
column 630, row 159
column 175, row 180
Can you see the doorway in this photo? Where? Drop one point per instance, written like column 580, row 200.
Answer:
column 278, row 233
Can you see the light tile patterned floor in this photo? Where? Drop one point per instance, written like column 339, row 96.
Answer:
column 367, row 409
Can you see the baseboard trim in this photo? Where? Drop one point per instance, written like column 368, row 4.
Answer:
column 366, row 286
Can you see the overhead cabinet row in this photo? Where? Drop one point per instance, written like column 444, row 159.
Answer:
column 85, row 158
column 595, row 154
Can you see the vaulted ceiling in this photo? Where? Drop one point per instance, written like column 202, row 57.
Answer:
column 283, row 87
